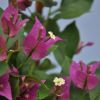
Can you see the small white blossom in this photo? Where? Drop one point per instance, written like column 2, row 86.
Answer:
column 58, row 81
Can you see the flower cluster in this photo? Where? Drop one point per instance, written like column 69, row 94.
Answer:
column 23, row 65
column 35, row 45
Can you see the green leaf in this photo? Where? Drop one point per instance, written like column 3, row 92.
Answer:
column 31, row 21
column 49, row 97
column 3, row 68
column 49, row 81
column 74, row 8
column 95, row 93
column 16, row 42
column 46, row 65
column 53, row 48
column 20, row 59
column 26, row 66
column 98, row 71
column 20, row 38
column 31, row 68
column 69, row 46
column 78, row 94
column 1, row 11
column 65, row 66
column 51, row 25
column 41, row 75
column 43, row 92
column 15, row 86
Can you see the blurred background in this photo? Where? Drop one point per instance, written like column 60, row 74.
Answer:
column 89, row 27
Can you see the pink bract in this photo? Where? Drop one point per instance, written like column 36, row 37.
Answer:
column 3, row 49
column 23, row 4
column 84, row 76
column 83, row 45
column 36, row 43
column 5, row 89
column 10, row 21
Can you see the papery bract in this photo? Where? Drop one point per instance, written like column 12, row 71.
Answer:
column 83, row 45
column 13, row 71
column 5, row 89
column 28, row 89
column 62, row 92
column 36, row 43
column 84, row 76
column 10, row 21
column 23, row 4
column 3, row 49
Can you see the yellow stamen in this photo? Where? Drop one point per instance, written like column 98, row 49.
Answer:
column 58, row 81
column 52, row 35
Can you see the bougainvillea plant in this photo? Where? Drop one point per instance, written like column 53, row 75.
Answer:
column 25, row 41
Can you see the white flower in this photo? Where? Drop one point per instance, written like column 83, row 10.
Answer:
column 58, row 81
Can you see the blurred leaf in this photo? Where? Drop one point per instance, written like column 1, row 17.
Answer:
column 3, row 68
column 95, row 93
column 65, row 66
column 69, row 46
column 74, row 8
column 17, row 59
column 31, row 21
column 1, row 11
column 48, row 87
column 16, row 42
column 49, row 81
column 12, row 58
column 14, row 86
column 21, row 37
column 78, row 94
column 98, row 71
column 46, row 65
column 11, row 42
column 48, row 98
column 26, row 66
column 53, row 48
column 20, row 58
column 32, row 65
column 41, row 75
column 43, row 92
column 51, row 25
column 48, row 3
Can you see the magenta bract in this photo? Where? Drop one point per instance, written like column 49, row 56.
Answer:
column 3, row 49
column 5, row 89
column 28, row 89
column 10, row 21
column 82, row 45
column 84, row 76
column 36, row 43
column 23, row 4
